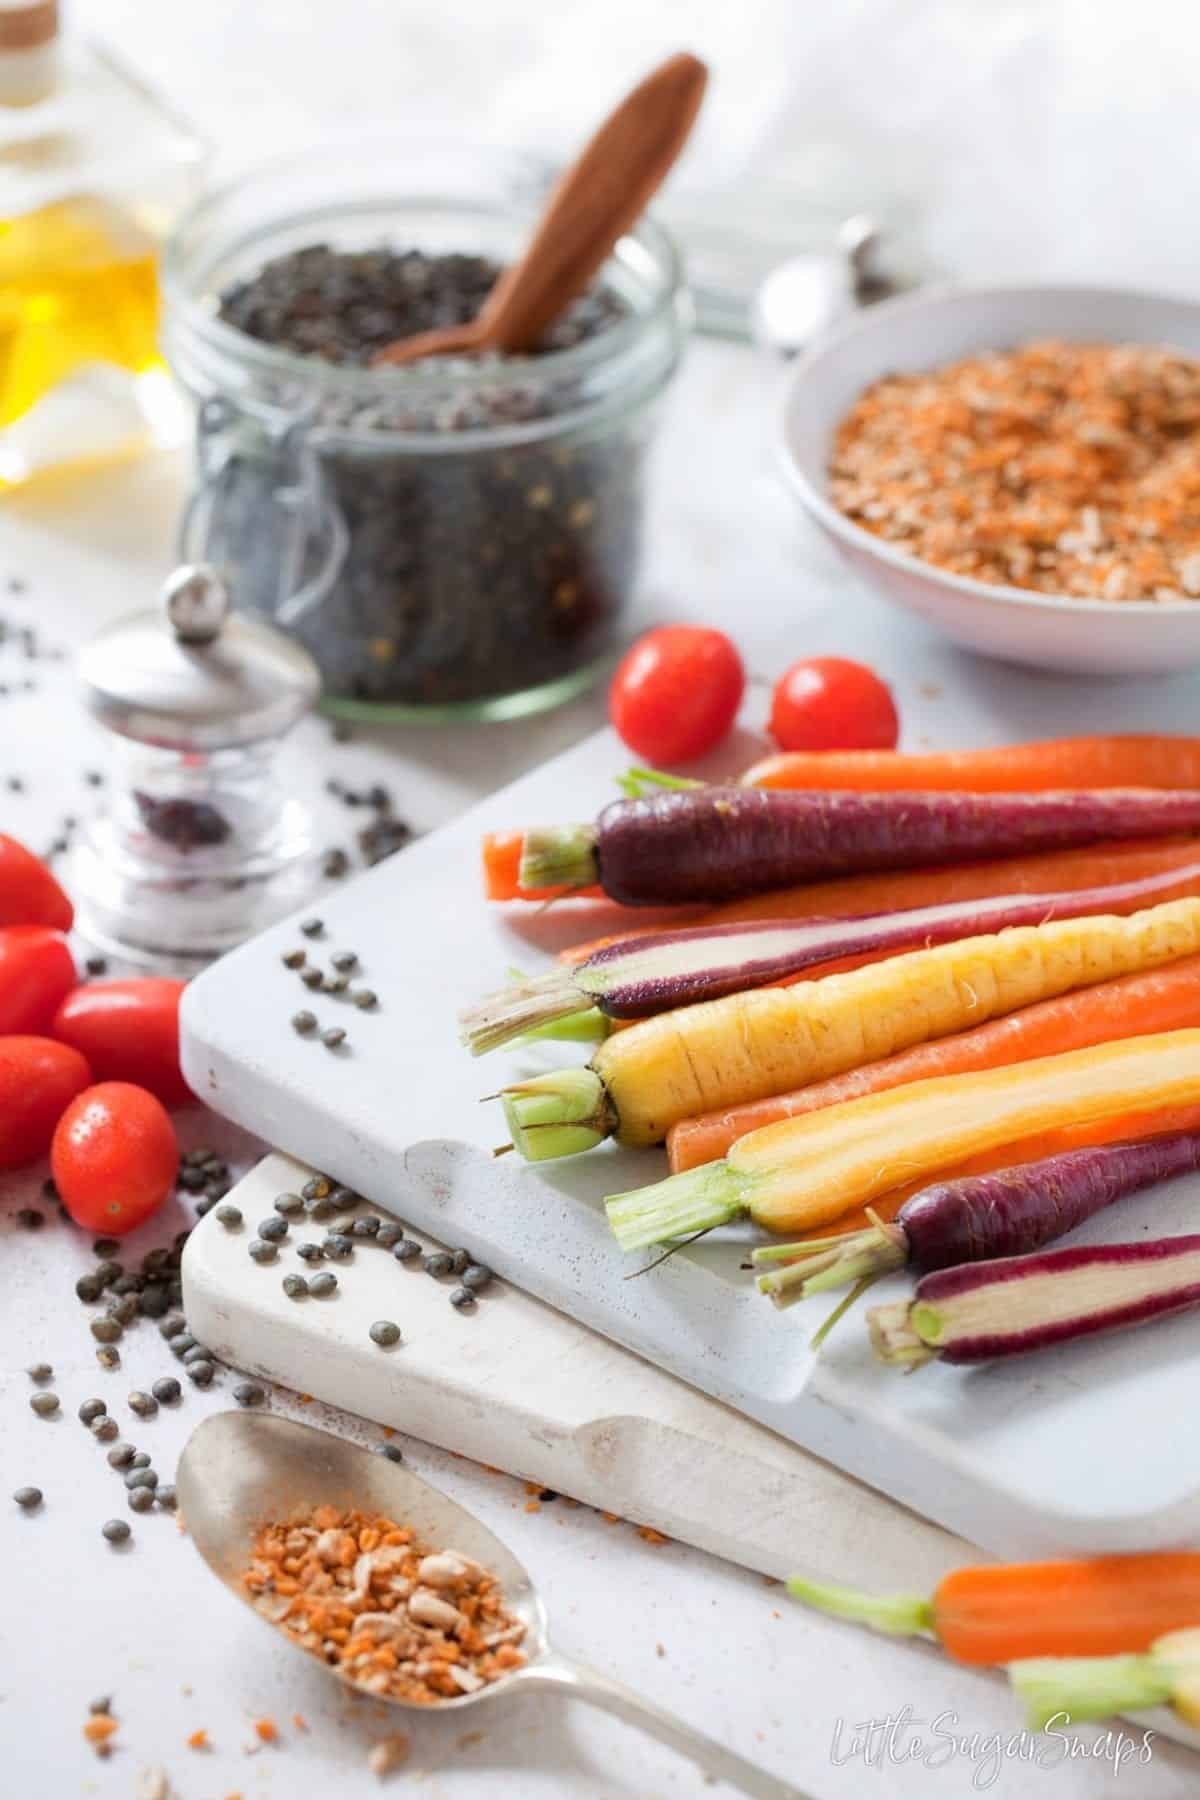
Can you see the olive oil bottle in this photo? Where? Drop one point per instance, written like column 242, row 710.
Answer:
column 93, row 169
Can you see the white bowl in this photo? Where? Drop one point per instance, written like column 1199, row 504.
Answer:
column 939, row 325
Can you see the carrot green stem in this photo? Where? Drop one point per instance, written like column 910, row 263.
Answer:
column 696, row 1200
column 522, row 1007
column 896, row 1336
column 899, row 1615
column 635, row 782
column 559, row 856
column 559, row 1114
column 589, row 1026
column 1069, row 1688
column 831, row 1262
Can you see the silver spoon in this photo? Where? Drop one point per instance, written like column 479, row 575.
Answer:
column 798, row 299
column 238, row 1470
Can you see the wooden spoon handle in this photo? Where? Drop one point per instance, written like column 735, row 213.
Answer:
column 594, row 202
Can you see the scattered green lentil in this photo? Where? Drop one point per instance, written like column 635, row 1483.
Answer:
column 105, row 1248
column 312, row 977
column 201, row 1373
column 167, row 1390
column 249, row 1393
column 39, row 1371
column 91, row 1409
column 153, row 1300
column 389, row 1234
column 29, row 1218
column 312, row 927
column 295, row 1287
column 273, row 1229
column 407, row 1250
column 289, row 1205
column 322, row 1285
column 438, row 1262
column 182, row 1343
column 104, row 1429
column 393, row 1452
column 366, row 1227
column 335, row 984
column 384, row 1333
column 124, row 1309
column 463, row 1298
column 317, row 1187
column 107, row 1330
column 139, row 1460
column 89, row 1288
column 459, row 1260
column 365, row 999
column 171, row 1328
column 140, row 1500
column 476, row 1276
column 166, row 1497
column 294, row 959
column 344, row 961
column 337, row 1247
column 260, row 1251
column 333, row 1038
column 230, row 1217
column 143, row 1404
column 44, row 1403
column 28, row 1497
column 108, row 1271
column 117, row 1531
column 108, row 1357
column 121, row 1455
column 196, row 1354
column 143, row 1477
column 342, row 1198
column 309, row 1252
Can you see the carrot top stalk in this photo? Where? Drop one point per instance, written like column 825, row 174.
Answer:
column 1070, row 1688
column 1002, row 1613
column 1082, row 762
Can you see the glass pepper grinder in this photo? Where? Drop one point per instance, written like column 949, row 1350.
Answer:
column 201, row 844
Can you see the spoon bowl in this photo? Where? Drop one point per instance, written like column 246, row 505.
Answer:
column 239, row 1470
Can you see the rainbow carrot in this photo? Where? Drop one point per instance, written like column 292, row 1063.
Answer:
column 1131, row 1006
column 1082, row 762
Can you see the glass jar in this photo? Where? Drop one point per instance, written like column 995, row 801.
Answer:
column 452, row 539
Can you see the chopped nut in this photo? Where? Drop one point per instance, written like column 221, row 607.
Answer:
column 388, row 1754
column 153, row 1785
column 428, row 1608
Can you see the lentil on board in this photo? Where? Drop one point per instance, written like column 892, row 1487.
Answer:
column 1070, row 469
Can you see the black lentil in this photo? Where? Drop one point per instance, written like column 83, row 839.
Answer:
column 41, row 1371
column 462, row 1298
column 141, row 1478
column 342, row 1198
column 365, row 999
column 319, row 1209
column 262, row 1251
column 249, row 1393
column 89, row 1288
column 105, row 1247
column 385, row 1333
column 139, row 1460
column 334, row 1037
column 344, row 961
column 108, row 1272
column 273, row 1229
column 389, row 1233
column 107, row 1330
column 196, row 1354
column 288, row 1205
column 152, row 1301
column 201, row 1373
column 124, row 1310
column 438, row 1263
column 116, row 1531
column 335, row 984
column 393, row 1452
column 312, row 978
column 181, row 1343
column 108, row 1357
column 334, row 864
column 205, row 1205
column 294, row 959
column 309, row 1252
column 140, row 1500
column 459, row 1260
column 144, row 1405
column 184, row 824
column 407, row 1250
column 92, row 1409
column 312, row 928
column 104, row 1429
column 28, row 1497
column 44, row 1404
column 166, row 1389
column 476, row 1277
column 295, row 1287
column 127, row 1284
column 337, row 1247
column 166, row 1497
column 320, row 1286
column 96, row 965
column 366, row 1227
column 121, row 1455
column 192, row 1179
column 230, row 1217
column 172, row 1327
column 29, row 1218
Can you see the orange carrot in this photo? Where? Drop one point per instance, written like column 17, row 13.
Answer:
column 1131, row 1006
column 1083, row 762
column 1000, row 1613
column 502, row 868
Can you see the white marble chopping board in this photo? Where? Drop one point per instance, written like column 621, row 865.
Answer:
column 1088, row 1448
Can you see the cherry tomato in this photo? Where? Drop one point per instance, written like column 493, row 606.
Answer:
column 676, row 693
column 114, row 1157
column 829, row 703
column 129, row 1031
column 38, row 1081
column 36, row 971
column 29, row 894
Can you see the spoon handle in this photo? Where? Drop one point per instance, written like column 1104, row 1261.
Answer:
column 594, row 202
column 576, row 1679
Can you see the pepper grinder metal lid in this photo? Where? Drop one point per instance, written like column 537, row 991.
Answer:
column 202, row 844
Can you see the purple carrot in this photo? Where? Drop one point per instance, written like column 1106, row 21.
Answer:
column 1010, row 1212
column 980, row 1311
column 658, row 971
column 718, row 843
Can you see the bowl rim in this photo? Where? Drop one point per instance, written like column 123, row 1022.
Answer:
column 833, row 341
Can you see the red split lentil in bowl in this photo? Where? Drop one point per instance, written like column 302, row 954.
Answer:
column 1020, row 466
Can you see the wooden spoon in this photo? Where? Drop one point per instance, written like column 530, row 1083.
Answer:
column 592, row 205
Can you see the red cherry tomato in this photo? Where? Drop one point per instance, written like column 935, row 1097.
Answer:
column 114, row 1157
column 829, row 703
column 29, row 894
column 129, row 1031
column 676, row 693
column 36, row 971
column 38, row 1081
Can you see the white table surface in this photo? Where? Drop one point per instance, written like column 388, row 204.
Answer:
column 148, row 1625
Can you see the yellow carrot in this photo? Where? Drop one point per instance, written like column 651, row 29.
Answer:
column 724, row 1053
column 804, row 1172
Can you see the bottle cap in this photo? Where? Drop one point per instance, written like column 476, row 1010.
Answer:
column 190, row 675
